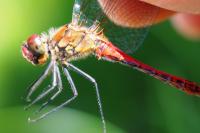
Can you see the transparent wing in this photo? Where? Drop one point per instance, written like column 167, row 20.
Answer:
column 86, row 11
column 90, row 13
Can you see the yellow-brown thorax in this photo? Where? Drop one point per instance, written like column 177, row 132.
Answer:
column 69, row 43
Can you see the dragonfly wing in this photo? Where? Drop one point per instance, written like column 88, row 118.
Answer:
column 87, row 12
column 129, row 40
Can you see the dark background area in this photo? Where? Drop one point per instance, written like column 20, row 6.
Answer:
column 133, row 102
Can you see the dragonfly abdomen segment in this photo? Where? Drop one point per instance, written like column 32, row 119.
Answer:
column 183, row 84
column 110, row 52
column 107, row 51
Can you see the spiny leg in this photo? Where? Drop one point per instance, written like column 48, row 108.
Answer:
column 91, row 79
column 60, row 88
column 95, row 27
column 42, row 95
column 35, row 84
column 75, row 93
column 99, row 32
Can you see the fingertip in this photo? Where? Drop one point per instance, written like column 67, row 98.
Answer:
column 186, row 6
column 133, row 13
column 188, row 25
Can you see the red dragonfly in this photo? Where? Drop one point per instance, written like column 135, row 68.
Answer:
column 83, row 37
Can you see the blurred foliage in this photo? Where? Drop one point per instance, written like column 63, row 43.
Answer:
column 13, row 119
column 132, row 101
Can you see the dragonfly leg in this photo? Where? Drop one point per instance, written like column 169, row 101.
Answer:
column 60, row 88
column 75, row 93
column 49, row 89
column 36, row 83
column 91, row 79
column 94, row 27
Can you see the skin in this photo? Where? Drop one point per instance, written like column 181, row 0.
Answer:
column 191, row 6
column 188, row 25
column 186, row 15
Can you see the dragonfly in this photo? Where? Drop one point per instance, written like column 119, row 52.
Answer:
column 89, row 33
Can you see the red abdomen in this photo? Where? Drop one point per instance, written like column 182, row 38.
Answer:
column 110, row 52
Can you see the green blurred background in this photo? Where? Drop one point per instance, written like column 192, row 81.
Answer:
column 133, row 102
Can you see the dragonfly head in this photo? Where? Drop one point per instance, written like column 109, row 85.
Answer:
column 35, row 50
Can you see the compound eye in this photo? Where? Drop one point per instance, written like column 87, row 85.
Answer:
column 27, row 54
column 34, row 42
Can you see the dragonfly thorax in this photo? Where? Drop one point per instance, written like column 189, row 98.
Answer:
column 70, row 43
